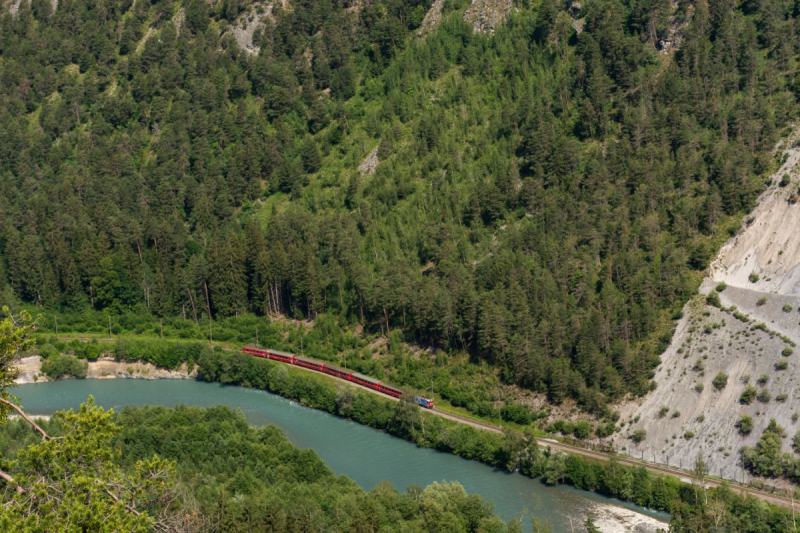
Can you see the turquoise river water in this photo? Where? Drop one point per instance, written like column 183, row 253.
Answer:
column 365, row 455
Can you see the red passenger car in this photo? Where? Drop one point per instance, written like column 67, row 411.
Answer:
column 366, row 381
column 256, row 351
column 308, row 363
column 336, row 371
column 333, row 370
column 390, row 390
column 281, row 356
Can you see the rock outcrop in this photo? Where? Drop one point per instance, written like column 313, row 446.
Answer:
column 249, row 22
column 370, row 163
column 752, row 335
column 486, row 15
column 432, row 18
column 30, row 370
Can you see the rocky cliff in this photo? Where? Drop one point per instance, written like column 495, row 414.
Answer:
column 751, row 335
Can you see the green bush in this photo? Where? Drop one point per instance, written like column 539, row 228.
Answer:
column 748, row 395
column 764, row 396
column 638, row 435
column 166, row 354
column 721, row 286
column 517, row 413
column 605, row 430
column 753, row 277
column 720, row 380
column 47, row 351
column 744, row 424
column 565, row 427
column 787, row 352
column 92, row 351
column 782, row 364
column 761, row 301
column 61, row 366
column 582, row 430
column 713, row 300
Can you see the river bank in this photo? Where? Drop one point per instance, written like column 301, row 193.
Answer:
column 30, row 370
column 107, row 368
column 363, row 454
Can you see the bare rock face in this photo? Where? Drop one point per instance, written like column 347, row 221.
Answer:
column 246, row 25
column 486, row 15
column 12, row 6
column 752, row 335
column 432, row 18
column 370, row 163
column 30, row 370
column 672, row 38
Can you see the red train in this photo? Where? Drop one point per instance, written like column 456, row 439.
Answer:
column 333, row 370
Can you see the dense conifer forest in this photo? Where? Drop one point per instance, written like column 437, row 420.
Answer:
column 545, row 199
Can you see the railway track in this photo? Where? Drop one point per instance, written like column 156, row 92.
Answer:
column 683, row 475
column 652, row 467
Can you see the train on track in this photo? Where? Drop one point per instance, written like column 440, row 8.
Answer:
column 327, row 368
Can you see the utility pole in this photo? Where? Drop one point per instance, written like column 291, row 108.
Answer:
column 210, row 337
column 55, row 317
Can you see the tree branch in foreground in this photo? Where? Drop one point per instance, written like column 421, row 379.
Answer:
column 10, row 479
column 17, row 408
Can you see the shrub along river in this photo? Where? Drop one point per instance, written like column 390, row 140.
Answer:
column 363, row 454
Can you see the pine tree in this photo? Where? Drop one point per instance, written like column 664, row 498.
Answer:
column 312, row 160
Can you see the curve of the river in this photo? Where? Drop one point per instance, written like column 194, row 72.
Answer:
column 365, row 455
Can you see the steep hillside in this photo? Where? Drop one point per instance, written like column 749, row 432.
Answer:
column 750, row 335
column 541, row 199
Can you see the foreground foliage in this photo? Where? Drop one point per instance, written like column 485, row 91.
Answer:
column 247, row 479
column 72, row 483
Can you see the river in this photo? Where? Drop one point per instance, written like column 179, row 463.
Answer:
column 363, row 454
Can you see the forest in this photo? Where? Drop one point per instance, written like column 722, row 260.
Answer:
column 235, row 478
column 232, row 477
column 545, row 199
column 188, row 470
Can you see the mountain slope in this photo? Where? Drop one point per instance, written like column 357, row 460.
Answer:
column 543, row 200
column 754, row 329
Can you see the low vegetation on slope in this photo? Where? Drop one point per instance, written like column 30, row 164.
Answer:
column 730, row 371
column 542, row 199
